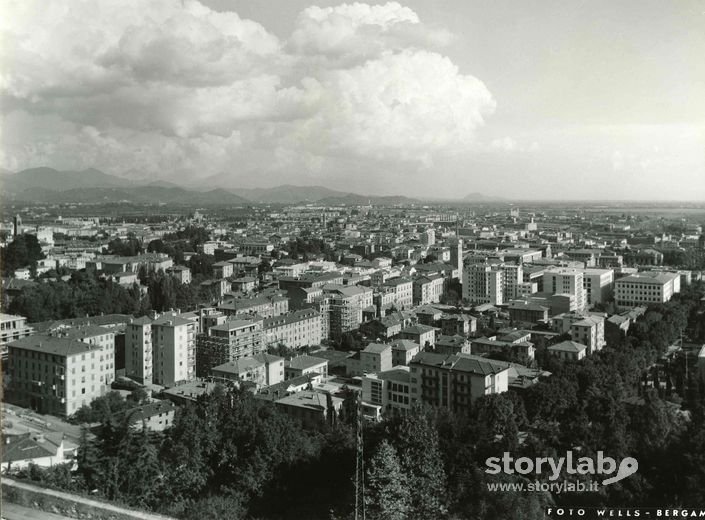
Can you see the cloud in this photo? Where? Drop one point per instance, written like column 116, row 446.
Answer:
column 168, row 86
column 509, row 144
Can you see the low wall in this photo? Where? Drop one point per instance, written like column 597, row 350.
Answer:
column 66, row 504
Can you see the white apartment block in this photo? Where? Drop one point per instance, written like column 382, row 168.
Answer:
column 483, row 283
column 590, row 332
column 513, row 277
column 566, row 281
column 598, row 284
column 403, row 289
column 457, row 380
column 428, row 289
column 646, row 288
column 139, row 359
column 295, row 330
column 58, row 375
column 161, row 350
column 390, row 390
column 174, row 347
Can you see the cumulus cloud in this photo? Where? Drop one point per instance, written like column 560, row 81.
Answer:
column 168, row 86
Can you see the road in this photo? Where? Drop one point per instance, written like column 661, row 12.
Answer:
column 15, row 512
column 43, row 422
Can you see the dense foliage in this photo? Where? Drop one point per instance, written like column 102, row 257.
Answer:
column 131, row 246
column 102, row 409
column 84, row 294
column 23, row 251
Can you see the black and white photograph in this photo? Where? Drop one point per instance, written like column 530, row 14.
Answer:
column 366, row 260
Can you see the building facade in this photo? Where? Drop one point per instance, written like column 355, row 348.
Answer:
column 58, row 375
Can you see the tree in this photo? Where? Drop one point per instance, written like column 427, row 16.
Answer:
column 23, row 251
column 131, row 246
column 422, row 463
column 388, row 495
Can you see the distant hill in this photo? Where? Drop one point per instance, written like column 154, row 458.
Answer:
column 91, row 185
column 289, row 194
column 480, row 197
column 139, row 194
column 56, row 180
column 352, row 199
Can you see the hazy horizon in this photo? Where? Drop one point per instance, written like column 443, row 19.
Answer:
column 539, row 100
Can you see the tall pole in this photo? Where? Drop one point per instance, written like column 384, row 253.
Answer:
column 359, row 465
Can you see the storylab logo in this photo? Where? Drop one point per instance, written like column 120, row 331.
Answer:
column 553, row 468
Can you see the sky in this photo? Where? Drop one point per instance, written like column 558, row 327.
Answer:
column 538, row 99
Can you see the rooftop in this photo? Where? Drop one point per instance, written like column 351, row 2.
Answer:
column 304, row 362
column 459, row 362
column 568, row 346
column 53, row 345
column 376, row 348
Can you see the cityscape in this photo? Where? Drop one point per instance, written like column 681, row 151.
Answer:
column 275, row 260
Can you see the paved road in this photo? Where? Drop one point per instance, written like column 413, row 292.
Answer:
column 42, row 422
column 15, row 512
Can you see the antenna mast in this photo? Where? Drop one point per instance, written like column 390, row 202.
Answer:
column 359, row 465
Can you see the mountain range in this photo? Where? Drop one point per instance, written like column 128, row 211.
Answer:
column 94, row 186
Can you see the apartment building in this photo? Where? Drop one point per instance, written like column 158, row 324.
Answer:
column 521, row 311
column 462, row 324
column 390, row 390
column 174, row 349
column 569, row 350
column 139, row 354
column 513, row 279
column 57, row 375
column 12, row 328
column 375, row 357
column 259, row 370
column 455, row 381
column 264, row 306
column 403, row 351
column 646, row 288
column 566, row 281
column 229, row 341
column 521, row 350
column 598, row 284
column 424, row 335
column 345, row 304
column 381, row 275
column 305, row 366
column 522, row 256
column 222, row 270
column 590, row 332
column 403, row 290
column 295, row 330
column 161, row 350
column 453, row 344
column 427, row 289
column 483, row 283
